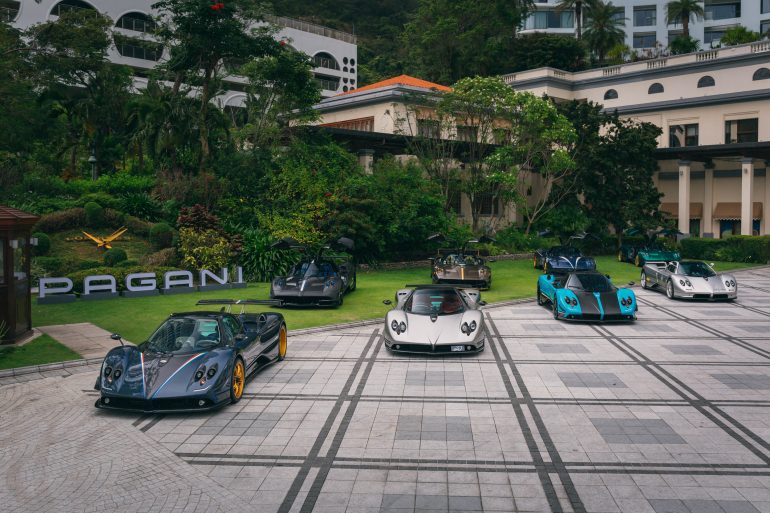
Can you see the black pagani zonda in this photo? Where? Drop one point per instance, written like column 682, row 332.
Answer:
column 461, row 266
column 319, row 278
column 195, row 361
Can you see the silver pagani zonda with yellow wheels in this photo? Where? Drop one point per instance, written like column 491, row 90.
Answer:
column 689, row 280
column 435, row 320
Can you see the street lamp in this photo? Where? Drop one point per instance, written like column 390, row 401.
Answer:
column 92, row 161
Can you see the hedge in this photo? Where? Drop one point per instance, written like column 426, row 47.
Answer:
column 738, row 248
column 43, row 244
column 119, row 273
column 114, row 256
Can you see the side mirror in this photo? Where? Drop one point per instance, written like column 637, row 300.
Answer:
column 387, row 302
column 491, row 260
column 115, row 336
column 241, row 341
column 239, row 337
column 607, row 276
column 631, row 283
column 549, row 277
column 482, row 303
column 711, row 264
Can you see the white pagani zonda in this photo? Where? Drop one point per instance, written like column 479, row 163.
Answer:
column 435, row 319
column 689, row 280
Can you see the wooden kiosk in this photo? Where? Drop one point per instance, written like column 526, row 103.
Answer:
column 15, row 284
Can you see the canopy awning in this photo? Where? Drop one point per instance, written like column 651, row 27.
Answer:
column 731, row 211
column 672, row 210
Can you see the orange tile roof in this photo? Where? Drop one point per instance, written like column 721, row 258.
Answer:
column 404, row 80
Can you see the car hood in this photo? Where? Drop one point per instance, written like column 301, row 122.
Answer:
column 581, row 263
column 712, row 285
column 445, row 330
column 153, row 375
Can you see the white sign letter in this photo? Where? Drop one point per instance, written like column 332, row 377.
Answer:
column 110, row 286
column 147, row 281
column 60, row 286
column 173, row 278
column 208, row 274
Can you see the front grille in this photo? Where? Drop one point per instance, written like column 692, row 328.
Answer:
column 420, row 348
column 180, row 403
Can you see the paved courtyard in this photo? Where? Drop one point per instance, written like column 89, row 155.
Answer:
column 668, row 415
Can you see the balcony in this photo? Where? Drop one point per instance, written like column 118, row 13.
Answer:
column 722, row 11
column 312, row 28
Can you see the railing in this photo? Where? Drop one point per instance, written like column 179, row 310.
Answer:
column 8, row 14
column 608, row 72
column 312, row 28
column 760, row 46
column 657, row 63
column 706, row 56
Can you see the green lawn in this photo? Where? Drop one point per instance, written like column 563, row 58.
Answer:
column 42, row 350
column 135, row 318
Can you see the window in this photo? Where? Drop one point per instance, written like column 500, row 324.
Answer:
column 325, row 60
column 550, row 20
column 706, row 81
column 489, row 205
column 136, row 21
column 9, row 9
column 428, row 128
column 695, row 227
column 467, row 133
column 761, row 74
column 713, row 34
column 764, row 27
column 765, row 8
column 644, row 40
column 683, row 135
column 655, row 88
column 722, row 9
column 327, row 83
column 645, row 16
column 619, row 15
column 70, row 5
column 138, row 49
column 611, row 94
column 741, row 131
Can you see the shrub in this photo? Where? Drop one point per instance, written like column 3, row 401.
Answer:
column 64, row 220
column 43, row 244
column 198, row 217
column 142, row 205
column 260, row 262
column 161, row 236
column 55, row 266
column 114, row 256
column 739, row 248
column 94, row 215
column 514, row 240
column 203, row 249
column 164, row 257
column 114, row 218
column 681, row 44
column 705, row 249
column 127, row 263
column 88, row 264
column 136, row 226
column 102, row 198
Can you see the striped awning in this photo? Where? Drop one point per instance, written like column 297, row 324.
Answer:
column 672, row 210
column 731, row 211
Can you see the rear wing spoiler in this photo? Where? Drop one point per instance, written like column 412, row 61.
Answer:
column 243, row 303
column 659, row 264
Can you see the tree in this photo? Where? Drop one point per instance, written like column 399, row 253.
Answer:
column 531, row 51
column 683, row 11
column 451, row 39
column 207, row 41
column 615, row 163
column 577, row 7
column 738, row 35
column 603, row 31
column 681, row 44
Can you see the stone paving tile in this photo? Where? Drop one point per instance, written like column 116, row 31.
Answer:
column 634, row 422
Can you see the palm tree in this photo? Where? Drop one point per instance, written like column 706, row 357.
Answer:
column 577, row 6
column 684, row 10
column 603, row 31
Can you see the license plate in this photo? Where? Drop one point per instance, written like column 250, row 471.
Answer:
column 458, row 348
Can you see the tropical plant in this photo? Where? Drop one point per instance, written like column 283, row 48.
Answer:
column 259, row 260
column 682, row 11
column 203, row 249
column 738, row 35
column 604, row 30
column 681, row 44
column 577, row 7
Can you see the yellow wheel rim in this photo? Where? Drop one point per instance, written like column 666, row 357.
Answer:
column 534, row 262
column 282, row 342
column 238, row 379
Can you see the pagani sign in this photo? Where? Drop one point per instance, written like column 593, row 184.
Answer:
column 105, row 286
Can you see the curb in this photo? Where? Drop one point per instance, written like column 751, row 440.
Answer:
column 32, row 369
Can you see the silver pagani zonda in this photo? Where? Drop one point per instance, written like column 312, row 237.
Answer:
column 435, row 320
column 689, row 280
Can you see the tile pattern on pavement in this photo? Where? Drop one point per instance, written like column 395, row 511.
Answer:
column 670, row 414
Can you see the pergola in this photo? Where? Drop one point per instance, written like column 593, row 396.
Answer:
column 15, row 285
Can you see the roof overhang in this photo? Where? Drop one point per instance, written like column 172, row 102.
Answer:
column 754, row 150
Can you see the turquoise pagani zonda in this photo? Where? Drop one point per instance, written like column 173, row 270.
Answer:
column 586, row 296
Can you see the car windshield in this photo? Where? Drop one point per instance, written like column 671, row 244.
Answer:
column 462, row 260
column 589, row 282
column 313, row 269
column 565, row 251
column 696, row 269
column 432, row 301
column 180, row 335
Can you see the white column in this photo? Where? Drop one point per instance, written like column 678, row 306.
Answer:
column 708, row 204
column 747, row 188
column 366, row 160
column 684, row 197
column 766, row 206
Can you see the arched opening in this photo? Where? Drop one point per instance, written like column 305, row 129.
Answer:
column 235, row 110
column 706, row 81
column 137, row 22
column 71, row 5
column 325, row 60
column 655, row 88
column 138, row 48
column 9, row 10
column 611, row 94
column 761, row 74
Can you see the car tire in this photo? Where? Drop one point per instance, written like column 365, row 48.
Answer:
column 643, row 280
column 539, row 296
column 353, row 283
column 534, row 262
column 555, row 309
column 670, row 290
column 237, row 381
column 434, row 279
column 283, row 342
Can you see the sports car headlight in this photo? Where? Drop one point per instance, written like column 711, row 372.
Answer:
column 398, row 328
column 681, row 282
column 107, row 371
column 688, row 283
column 117, row 373
column 211, row 372
column 626, row 301
column 199, row 374
column 468, row 328
column 732, row 283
